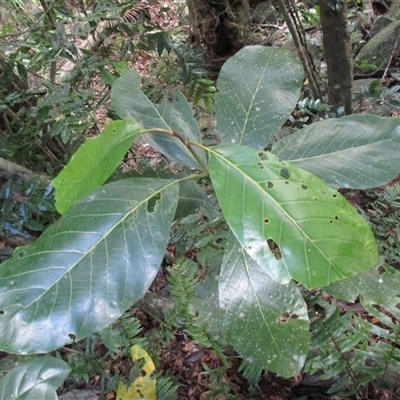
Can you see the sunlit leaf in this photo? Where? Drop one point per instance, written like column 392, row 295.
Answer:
column 88, row 267
column 357, row 151
column 288, row 220
column 171, row 115
column 35, row 379
column 93, row 163
column 191, row 194
column 257, row 90
column 265, row 322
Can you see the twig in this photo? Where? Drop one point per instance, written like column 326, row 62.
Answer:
column 302, row 50
column 6, row 123
column 269, row 26
column 390, row 59
column 9, row 169
column 49, row 12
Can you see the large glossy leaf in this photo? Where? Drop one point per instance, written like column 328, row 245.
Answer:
column 358, row 151
column 191, row 194
column 130, row 102
column 380, row 285
column 35, row 379
column 88, row 267
column 93, row 163
column 204, row 303
column 257, row 90
column 288, row 220
column 265, row 322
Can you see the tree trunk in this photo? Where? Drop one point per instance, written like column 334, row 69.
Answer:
column 222, row 27
column 337, row 53
column 290, row 14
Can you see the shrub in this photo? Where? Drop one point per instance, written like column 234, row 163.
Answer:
column 289, row 228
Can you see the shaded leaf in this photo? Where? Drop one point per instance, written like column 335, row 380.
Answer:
column 380, row 285
column 167, row 388
column 191, row 197
column 266, row 323
column 107, row 77
column 357, row 151
column 35, row 379
column 258, row 89
column 130, row 102
column 191, row 194
column 93, row 163
column 88, row 267
column 204, row 305
column 288, row 220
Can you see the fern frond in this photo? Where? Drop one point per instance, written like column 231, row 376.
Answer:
column 166, row 388
column 384, row 217
column 391, row 194
column 251, row 373
column 199, row 335
column 123, row 334
column 351, row 349
column 332, row 345
column 131, row 329
column 183, row 278
column 129, row 13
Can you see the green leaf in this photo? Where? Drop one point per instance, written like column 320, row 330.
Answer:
column 191, row 194
column 204, row 305
column 130, row 102
column 93, row 163
column 191, row 197
column 357, row 151
column 35, row 379
column 288, row 220
column 258, row 89
column 265, row 322
column 88, row 267
column 107, row 77
column 377, row 286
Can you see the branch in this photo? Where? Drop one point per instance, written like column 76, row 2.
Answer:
column 390, row 60
column 9, row 170
column 302, row 50
column 49, row 12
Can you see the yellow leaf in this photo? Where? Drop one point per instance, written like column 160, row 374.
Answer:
column 144, row 387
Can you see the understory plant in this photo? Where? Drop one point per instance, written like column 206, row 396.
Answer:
column 384, row 217
column 282, row 226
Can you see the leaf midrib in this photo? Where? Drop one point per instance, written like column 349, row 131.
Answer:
column 102, row 237
column 246, row 120
column 278, row 205
column 260, row 308
column 348, row 149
